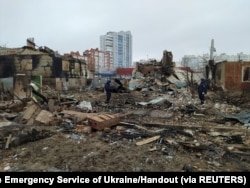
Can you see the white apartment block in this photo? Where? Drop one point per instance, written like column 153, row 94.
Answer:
column 119, row 45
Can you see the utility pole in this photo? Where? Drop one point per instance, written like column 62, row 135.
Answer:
column 212, row 50
column 210, row 68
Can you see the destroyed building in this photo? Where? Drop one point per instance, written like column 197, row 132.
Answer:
column 156, row 126
column 42, row 66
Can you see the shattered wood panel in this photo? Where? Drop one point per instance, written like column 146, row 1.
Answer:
column 100, row 122
column 30, row 111
column 147, row 140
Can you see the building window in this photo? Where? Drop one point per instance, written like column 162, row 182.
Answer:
column 246, row 74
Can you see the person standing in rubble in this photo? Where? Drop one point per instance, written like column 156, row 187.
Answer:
column 108, row 89
column 202, row 90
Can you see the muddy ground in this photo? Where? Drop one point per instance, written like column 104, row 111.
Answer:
column 185, row 140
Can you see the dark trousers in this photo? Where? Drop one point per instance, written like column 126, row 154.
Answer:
column 108, row 96
column 202, row 98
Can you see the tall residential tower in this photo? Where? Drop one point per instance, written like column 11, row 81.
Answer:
column 119, row 45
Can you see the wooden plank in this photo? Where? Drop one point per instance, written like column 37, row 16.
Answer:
column 110, row 116
column 106, row 117
column 80, row 114
column 147, row 140
column 30, row 111
column 100, row 122
column 96, row 118
column 8, row 141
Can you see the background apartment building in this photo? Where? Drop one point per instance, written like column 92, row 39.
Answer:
column 97, row 61
column 198, row 63
column 119, row 45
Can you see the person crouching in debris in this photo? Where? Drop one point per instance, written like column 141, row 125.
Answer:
column 202, row 90
column 108, row 89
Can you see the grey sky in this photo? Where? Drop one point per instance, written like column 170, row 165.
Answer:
column 185, row 27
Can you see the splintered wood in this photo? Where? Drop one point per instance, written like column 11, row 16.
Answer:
column 102, row 121
column 147, row 140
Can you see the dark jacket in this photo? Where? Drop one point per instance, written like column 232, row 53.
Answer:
column 202, row 88
column 108, row 89
column 107, row 86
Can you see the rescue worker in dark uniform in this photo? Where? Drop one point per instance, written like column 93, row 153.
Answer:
column 202, row 90
column 109, row 89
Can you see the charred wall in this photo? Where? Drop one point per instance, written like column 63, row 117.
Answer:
column 57, row 67
column 7, row 66
column 51, row 67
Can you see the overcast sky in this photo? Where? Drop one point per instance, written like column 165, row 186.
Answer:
column 184, row 27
